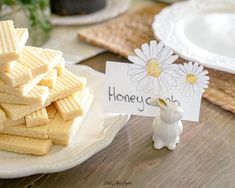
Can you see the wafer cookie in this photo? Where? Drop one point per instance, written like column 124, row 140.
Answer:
column 63, row 132
column 66, row 84
column 22, row 35
column 25, row 145
column 6, row 67
column 51, row 111
column 9, row 48
column 2, row 116
column 50, row 79
column 17, row 111
column 2, row 119
column 38, row 95
column 23, row 130
column 60, row 66
column 31, row 64
column 70, row 107
column 18, row 75
column 11, row 123
column 37, row 118
column 52, row 56
column 32, row 59
column 21, row 90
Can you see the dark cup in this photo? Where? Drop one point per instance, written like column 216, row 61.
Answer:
column 72, row 7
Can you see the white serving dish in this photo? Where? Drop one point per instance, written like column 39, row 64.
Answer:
column 96, row 133
column 200, row 30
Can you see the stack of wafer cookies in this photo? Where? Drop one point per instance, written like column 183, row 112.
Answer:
column 41, row 103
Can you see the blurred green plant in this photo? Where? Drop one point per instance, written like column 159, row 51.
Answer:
column 35, row 11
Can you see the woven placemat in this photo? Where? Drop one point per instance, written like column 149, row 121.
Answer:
column 127, row 32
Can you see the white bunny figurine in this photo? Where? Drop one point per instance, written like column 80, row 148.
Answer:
column 168, row 127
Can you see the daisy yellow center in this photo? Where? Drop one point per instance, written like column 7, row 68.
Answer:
column 153, row 68
column 191, row 78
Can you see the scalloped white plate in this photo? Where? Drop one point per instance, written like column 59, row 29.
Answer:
column 200, row 30
column 96, row 133
column 112, row 9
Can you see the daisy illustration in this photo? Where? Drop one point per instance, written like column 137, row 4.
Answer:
column 153, row 68
column 191, row 79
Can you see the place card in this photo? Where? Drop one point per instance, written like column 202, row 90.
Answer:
column 130, row 87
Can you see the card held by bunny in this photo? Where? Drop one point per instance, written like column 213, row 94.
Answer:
column 129, row 89
column 167, row 127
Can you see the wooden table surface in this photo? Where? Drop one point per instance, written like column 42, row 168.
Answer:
column 205, row 156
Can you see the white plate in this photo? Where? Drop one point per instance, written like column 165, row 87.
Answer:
column 112, row 9
column 97, row 132
column 200, row 30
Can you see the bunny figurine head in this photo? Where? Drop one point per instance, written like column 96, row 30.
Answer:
column 169, row 112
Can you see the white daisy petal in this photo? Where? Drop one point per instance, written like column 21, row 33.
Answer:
column 203, row 85
column 170, row 67
column 203, row 73
column 203, row 78
column 185, row 69
column 197, row 88
column 135, row 66
column 170, row 60
column 143, row 83
column 176, row 68
column 181, row 85
column 188, row 69
column 146, row 50
column 163, row 84
column 206, row 82
column 188, row 89
column 165, row 53
column 194, row 68
column 181, row 89
column 191, row 90
column 153, row 48
column 149, row 86
column 136, row 60
column 159, row 48
column 138, row 77
column 180, row 82
column 180, row 73
column 135, row 71
column 170, row 80
column 190, row 66
column 200, row 68
column 140, row 54
column 185, row 90
column 156, row 87
column 200, row 91
column 182, row 68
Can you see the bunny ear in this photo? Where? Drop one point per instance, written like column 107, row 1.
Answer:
column 162, row 103
column 159, row 102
